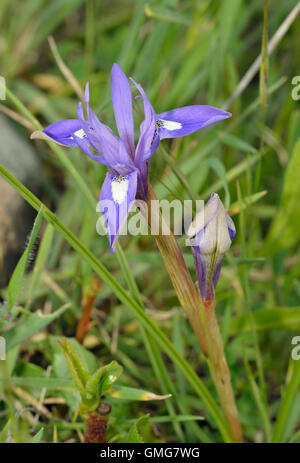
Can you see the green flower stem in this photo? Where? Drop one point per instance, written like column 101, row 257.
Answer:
column 181, row 279
column 220, row 371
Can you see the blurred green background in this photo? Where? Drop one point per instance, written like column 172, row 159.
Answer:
column 182, row 52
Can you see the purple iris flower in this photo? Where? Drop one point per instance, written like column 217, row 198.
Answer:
column 211, row 234
column 128, row 164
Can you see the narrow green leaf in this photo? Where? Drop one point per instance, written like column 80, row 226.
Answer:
column 15, row 282
column 237, row 143
column 40, row 382
column 239, row 206
column 122, row 259
column 98, row 384
column 27, row 326
column 137, row 431
column 284, row 230
column 263, row 75
column 41, row 259
column 220, row 170
column 79, row 374
column 295, row 438
column 5, row 431
column 268, row 319
column 287, row 403
column 51, row 16
column 169, row 16
column 37, row 437
column 178, row 418
column 131, row 393
column 234, row 173
column 261, row 406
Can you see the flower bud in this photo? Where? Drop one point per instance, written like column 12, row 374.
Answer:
column 211, row 234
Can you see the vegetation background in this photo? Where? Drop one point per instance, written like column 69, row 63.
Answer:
column 182, row 52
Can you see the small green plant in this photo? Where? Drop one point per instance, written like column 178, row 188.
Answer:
column 94, row 387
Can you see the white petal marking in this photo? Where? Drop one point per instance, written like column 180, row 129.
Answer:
column 79, row 133
column 119, row 188
column 171, row 125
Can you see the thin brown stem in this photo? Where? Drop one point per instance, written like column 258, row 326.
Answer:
column 97, row 425
column 87, row 306
column 181, row 279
